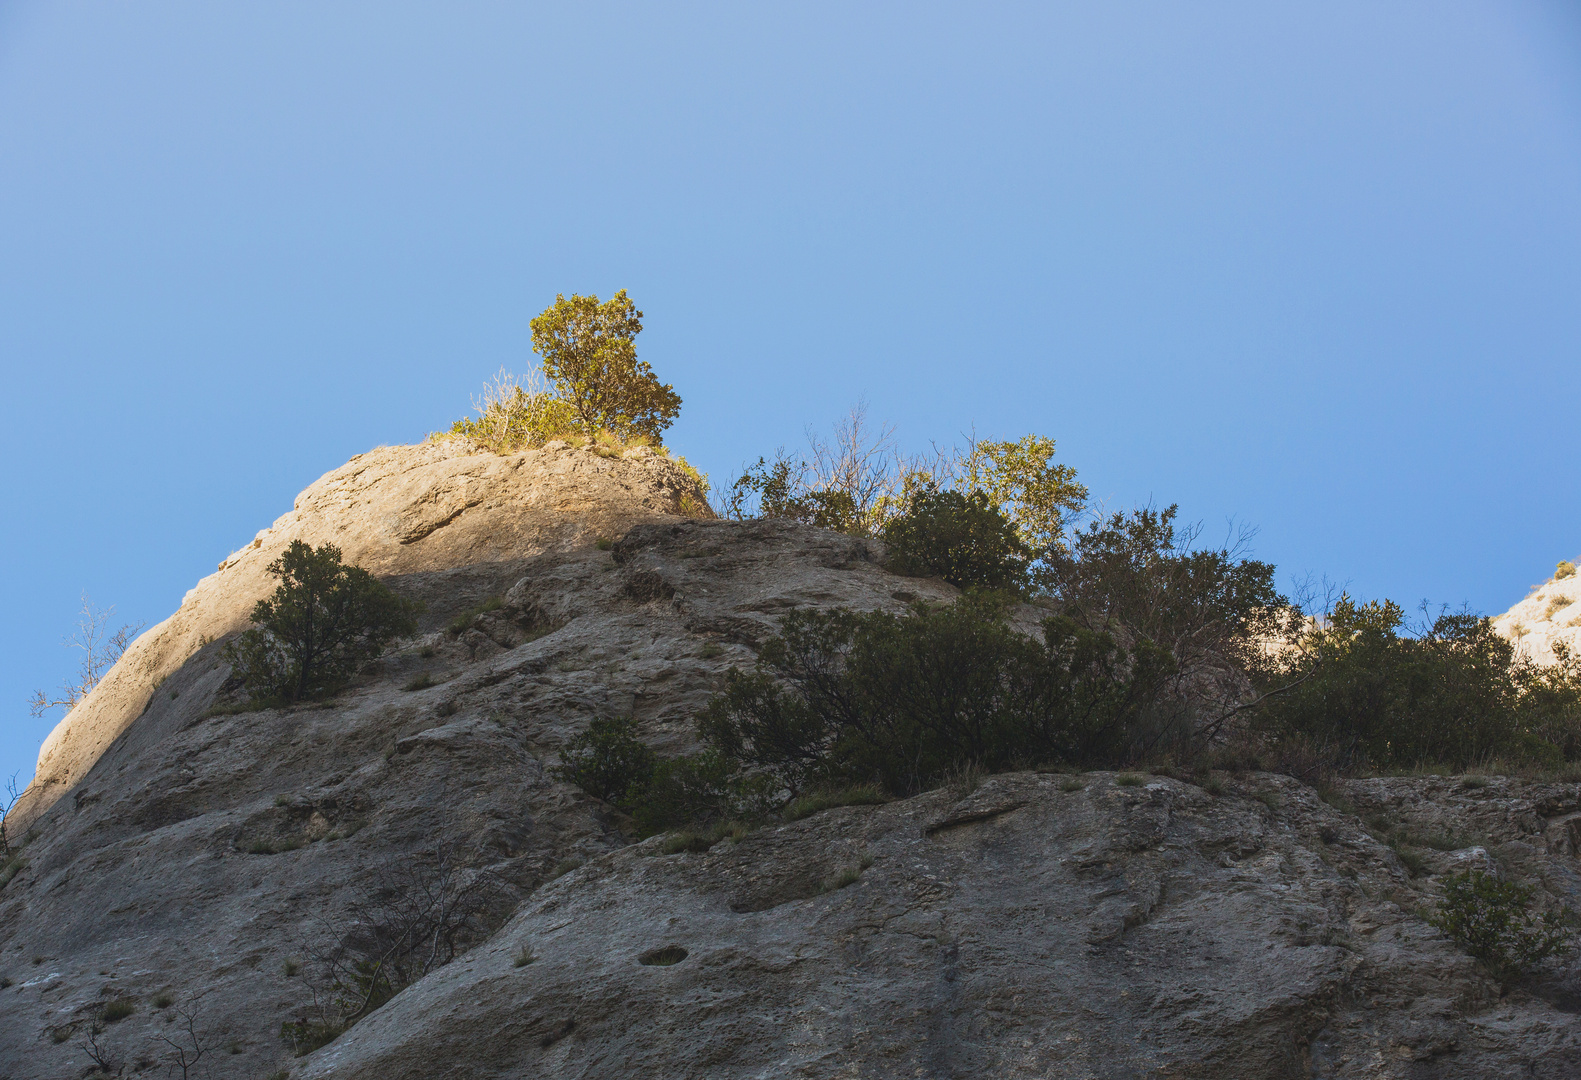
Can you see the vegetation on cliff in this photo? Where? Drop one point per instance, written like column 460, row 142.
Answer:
column 324, row 622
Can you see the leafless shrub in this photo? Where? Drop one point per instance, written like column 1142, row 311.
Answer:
column 853, row 480
column 100, row 652
column 8, row 800
column 99, row 1051
column 186, row 1042
column 414, row 918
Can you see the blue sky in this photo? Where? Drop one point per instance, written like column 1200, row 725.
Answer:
column 1313, row 267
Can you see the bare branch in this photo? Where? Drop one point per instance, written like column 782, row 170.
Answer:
column 100, row 654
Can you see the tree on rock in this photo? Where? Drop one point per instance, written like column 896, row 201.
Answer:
column 590, row 355
column 324, row 621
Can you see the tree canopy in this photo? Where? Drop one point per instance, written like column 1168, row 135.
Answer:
column 590, row 356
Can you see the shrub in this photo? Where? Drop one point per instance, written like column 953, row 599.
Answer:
column 607, row 760
column 842, row 698
column 398, row 927
column 100, row 653
column 1498, row 923
column 702, row 790
column 463, row 622
column 1565, row 569
column 1456, row 693
column 1210, row 611
column 324, row 621
column 964, row 539
column 590, row 354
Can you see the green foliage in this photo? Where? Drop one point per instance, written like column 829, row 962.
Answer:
column 1549, row 709
column 1565, row 569
column 858, row 482
column 1456, row 693
column 1021, row 479
column 1207, row 611
column 700, row 790
column 324, row 621
column 1498, row 923
column 607, row 760
column 813, row 802
column 779, row 490
column 842, row 698
column 590, row 354
column 1129, row 779
column 964, row 539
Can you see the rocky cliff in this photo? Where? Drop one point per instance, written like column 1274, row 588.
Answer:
column 1552, row 613
column 183, row 864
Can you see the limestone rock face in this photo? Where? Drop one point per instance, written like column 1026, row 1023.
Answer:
column 188, row 864
column 401, row 512
column 1039, row 925
column 1552, row 613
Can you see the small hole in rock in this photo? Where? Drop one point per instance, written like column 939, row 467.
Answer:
column 670, row 954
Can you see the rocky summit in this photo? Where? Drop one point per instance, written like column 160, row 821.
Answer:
column 185, row 866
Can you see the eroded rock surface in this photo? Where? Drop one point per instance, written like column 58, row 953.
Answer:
column 1550, row 615
column 1035, row 925
column 1039, row 925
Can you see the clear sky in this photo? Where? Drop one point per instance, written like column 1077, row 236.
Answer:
column 1313, row 267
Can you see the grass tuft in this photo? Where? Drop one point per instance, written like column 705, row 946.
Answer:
column 1129, row 779
column 463, row 622
column 813, row 802
column 118, row 1010
column 845, row 876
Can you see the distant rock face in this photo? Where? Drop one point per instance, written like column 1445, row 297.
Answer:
column 1032, row 925
column 1551, row 613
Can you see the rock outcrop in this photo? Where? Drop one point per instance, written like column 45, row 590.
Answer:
column 1552, row 613
column 186, row 863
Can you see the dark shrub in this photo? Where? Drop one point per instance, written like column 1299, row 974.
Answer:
column 1455, row 694
column 962, row 538
column 1498, row 922
column 1208, row 610
column 843, row 698
column 324, row 621
column 607, row 760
